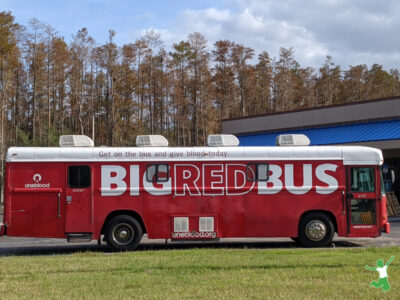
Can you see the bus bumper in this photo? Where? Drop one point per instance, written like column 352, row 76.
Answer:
column 386, row 228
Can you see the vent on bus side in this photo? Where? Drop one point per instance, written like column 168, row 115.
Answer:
column 222, row 140
column 181, row 224
column 75, row 141
column 292, row 140
column 151, row 141
column 206, row 224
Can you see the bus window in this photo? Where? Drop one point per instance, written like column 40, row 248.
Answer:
column 157, row 173
column 363, row 211
column 257, row 172
column 162, row 173
column 151, row 173
column 362, row 180
column 79, row 176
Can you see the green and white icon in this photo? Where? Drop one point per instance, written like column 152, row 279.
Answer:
column 383, row 281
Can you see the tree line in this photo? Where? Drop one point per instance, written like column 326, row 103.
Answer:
column 49, row 87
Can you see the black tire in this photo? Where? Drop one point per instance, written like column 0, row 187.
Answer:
column 123, row 233
column 316, row 230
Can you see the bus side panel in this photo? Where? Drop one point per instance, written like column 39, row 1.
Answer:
column 158, row 203
column 106, row 203
column 278, row 214
column 196, row 198
column 288, row 209
column 34, row 201
column 239, row 212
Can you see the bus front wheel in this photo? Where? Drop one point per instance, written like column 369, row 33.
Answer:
column 316, row 230
column 123, row 233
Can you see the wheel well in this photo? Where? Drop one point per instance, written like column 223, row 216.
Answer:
column 328, row 213
column 124, row 212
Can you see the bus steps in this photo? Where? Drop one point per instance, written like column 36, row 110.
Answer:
column 79, row 237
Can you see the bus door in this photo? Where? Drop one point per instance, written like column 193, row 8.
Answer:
column 35, row 199
column 362, row 197
column 78, row 199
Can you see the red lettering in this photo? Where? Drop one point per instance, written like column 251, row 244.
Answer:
column 236, row 182
column 213, row 179
column 186, row 177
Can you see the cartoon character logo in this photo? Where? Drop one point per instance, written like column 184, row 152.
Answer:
column 383, row 282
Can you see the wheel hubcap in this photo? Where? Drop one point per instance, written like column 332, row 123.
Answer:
column 123, row 234
column 316, row 230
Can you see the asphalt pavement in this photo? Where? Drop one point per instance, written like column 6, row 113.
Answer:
column 38, row 246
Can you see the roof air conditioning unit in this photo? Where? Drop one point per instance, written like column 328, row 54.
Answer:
column 151, row 141
column 292, row 140
column 222, row 140
column 75, row 141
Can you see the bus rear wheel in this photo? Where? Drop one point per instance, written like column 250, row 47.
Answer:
column 316, row 230
column 123, row 233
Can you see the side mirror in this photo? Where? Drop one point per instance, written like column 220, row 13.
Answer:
column 392, row 175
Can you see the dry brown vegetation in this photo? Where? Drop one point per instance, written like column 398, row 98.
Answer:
column 49, row 87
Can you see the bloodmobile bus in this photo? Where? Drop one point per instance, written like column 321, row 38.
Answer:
column 80, row 192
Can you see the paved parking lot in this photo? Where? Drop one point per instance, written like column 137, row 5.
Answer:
column 35, row 246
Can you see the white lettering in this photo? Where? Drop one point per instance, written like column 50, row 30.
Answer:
column 274, row 184
column 112, row 180
column 134, row 180
column 37, row 185
column 216, row 179
column 326, row 178
column 194, row 234
column 307, row 179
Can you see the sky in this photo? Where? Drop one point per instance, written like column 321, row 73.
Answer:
column 351, row 31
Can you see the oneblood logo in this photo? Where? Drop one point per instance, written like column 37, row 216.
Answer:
column 194, row 234
column 37, row 178
column 220, row 179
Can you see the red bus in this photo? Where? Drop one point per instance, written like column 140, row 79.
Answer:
column 307, row 193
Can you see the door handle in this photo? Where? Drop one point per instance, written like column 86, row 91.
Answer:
column 69, row 199
column 344, row 203
column 58, row 206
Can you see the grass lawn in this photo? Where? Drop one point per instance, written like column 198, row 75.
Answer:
column 200, row 274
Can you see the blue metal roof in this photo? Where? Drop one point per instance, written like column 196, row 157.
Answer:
column 364, row 132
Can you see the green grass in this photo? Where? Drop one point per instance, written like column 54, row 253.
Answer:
column 200, row 274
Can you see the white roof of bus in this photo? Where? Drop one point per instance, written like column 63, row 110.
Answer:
column 351, row 155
